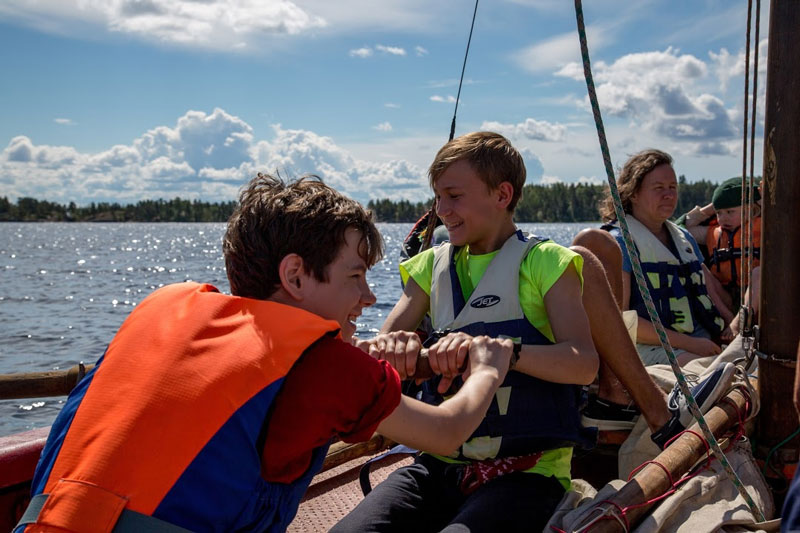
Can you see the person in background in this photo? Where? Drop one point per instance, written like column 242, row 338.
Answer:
column 723, row 238
column 671, row 261
column 212, row 412
column 648, row 192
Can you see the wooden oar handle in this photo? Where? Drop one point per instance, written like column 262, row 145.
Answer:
column 424, row 371
column 61, row 382
column 41, row 384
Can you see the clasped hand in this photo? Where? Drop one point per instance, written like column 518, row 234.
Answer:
column 451, row 355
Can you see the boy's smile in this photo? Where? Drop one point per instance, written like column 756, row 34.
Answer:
column 471, row 212
column 346, row 293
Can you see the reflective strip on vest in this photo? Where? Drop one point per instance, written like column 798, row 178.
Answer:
column 527, row 414
column 677, row 285
column 172, row 418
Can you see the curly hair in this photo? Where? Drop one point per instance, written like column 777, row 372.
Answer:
column 490, row 155
column 630, row 180
column 305, row 217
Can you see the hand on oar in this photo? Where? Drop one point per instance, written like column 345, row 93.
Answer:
column 449, row 356
column 399, row 348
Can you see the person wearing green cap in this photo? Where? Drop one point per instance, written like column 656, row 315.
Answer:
column 723, row 237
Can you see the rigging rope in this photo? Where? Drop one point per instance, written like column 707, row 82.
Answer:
column 432, row 218
column 744, row 227
column 745, row 314
column 640, row 280
column 463, row 68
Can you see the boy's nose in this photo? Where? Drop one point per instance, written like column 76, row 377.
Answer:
column 442, row 206
column 368, row 297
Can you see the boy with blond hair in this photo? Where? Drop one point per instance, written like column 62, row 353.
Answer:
column 494, row 280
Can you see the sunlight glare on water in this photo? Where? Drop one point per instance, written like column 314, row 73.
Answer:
column 65, row 288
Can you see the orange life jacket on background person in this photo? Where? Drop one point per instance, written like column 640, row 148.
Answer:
column 725, row 253
column 171, row 422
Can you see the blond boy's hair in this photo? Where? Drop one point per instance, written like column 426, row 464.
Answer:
column 490, row 155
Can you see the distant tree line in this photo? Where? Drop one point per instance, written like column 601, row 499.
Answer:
column 175, row 210
column 558, row 202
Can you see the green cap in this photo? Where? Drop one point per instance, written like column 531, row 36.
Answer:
column 729, row 194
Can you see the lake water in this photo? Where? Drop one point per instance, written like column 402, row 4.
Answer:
column 65, row 288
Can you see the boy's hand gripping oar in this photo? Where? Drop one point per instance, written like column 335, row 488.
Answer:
column 424, row 370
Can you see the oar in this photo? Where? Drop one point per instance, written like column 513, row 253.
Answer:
column 41, row 384
column 61, row 382
column 340, row 452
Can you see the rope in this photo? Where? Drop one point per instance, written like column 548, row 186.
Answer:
column 463, row 68
column 751, row 195
column 747, row 246
column 745, row 227
column 640, row 280
column 432, row 218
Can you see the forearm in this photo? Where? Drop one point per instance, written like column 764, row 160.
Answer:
column 646, row 334
column 409, row 310
column 443, row 428
column 718, row 295
column 564, row 362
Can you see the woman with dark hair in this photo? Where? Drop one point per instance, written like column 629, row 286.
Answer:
column 671, row 261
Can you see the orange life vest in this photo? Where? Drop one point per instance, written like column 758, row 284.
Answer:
column 725, row 252
column 170, row 422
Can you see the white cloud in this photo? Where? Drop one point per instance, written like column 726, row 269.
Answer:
column 553, row 53
column 550, row 180
column 534, row 169
column 383, row 126
column 392, row 50
column 224, row 25
column 391, row 105
column 366, row 51
column 20, row 149
column 729, row 66
column 538, row 130
column 449, row 99
column 655, row 90
column 64, row 121
column 420, row 51
column 591, row 180
column 361, row 52
column 204, row 155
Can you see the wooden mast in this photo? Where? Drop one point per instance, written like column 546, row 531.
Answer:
column 779, row 304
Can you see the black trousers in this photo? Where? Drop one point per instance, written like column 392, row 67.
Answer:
column 425, row 497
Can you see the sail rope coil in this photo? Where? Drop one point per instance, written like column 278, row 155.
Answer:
column 639, row 275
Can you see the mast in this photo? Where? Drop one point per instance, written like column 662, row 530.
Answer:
column 779, row 301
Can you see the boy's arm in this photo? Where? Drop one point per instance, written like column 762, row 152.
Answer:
column 573, row 358
column 442, row 428
column 395, row 343
column 715, row 292
column 409, row 311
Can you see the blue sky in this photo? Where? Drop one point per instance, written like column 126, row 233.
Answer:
column 122, row 100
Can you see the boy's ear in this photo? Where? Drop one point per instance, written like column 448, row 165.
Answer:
column 293, row 275
column 505, row 192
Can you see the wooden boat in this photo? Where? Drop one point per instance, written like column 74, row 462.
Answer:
column 336, row 489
